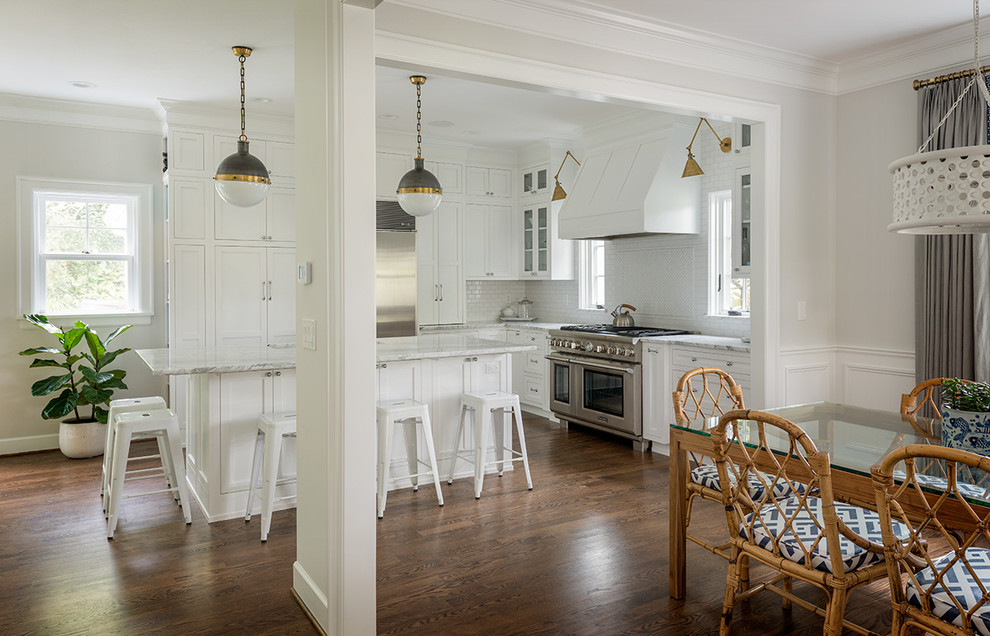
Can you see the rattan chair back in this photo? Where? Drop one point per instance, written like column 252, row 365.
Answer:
column 705, row 392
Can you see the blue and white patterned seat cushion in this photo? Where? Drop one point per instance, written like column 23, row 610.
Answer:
column 958, row 580
column 707, row 475
column 940, row 483
column 865, row 523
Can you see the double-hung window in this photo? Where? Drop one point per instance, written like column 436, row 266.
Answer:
column 87, row 249
column 728, row 294
column 591, row 275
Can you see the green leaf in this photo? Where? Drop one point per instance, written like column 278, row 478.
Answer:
column 95, row 377
column 40, row 321
column 36, row 350
column 112, row 355
column 96, row 396
column 73, row 336
column 50, row 384
column 114, row 383
column 101, row 414
column 39, row 362
column 60, row 406
column 95, row 345
column 116, row 333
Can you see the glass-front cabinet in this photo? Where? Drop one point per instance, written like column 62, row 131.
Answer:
column 535, row 180
column 742, row 233
column 536, row 240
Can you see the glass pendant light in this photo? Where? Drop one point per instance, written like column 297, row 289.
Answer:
column 242, row 179
column 419, row 192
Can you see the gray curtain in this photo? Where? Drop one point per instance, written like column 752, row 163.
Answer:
column 952, row 314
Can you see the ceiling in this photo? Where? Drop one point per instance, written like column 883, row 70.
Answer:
column 136, row 51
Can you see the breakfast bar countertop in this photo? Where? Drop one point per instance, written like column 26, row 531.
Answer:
column 442, row 345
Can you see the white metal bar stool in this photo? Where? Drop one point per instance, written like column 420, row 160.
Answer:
column 409, row 413
column 128, row 406
column 483, row 407
column 273, row 428
column 160, row 422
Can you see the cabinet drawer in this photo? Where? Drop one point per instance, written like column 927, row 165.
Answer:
column 535, row 363
column 733, row 362
column 534, row 388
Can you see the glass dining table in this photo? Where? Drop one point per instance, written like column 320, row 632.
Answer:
column 856, row 438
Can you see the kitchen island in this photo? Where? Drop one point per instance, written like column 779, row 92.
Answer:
column 227, row 388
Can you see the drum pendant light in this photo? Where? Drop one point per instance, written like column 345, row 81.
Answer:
column 242, row 179
column 419, row 192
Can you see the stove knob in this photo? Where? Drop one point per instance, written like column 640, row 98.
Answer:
column 553, row 342
column 589, row 347
column 599, row 348
column 610, row 350
column 630, row 352
column 574, row 345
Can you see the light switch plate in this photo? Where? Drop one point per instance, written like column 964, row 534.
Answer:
column 309, row 334
column 304, row 273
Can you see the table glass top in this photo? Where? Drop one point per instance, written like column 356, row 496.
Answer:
column 856, row 438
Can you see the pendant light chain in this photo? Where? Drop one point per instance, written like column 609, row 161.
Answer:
column 977, row 76
column 419, row 122
column 243, row 137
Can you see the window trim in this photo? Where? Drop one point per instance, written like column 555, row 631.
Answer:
column 30, row 259
column 587, row 275
column 720, row 256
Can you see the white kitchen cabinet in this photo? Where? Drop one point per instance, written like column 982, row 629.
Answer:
column 243, row 398
column 188, row 200
column 187, row 310
column 389, row 168
column 255, row 296
column 489, row 242
column 544, row 255
column 535, row 180
column 450, row 176
column 272, row 220
column 658, row 389
column 186, row 151
column 440, row 274
column 742, row 233
column 488, row 182
column 530, row 368
column 735, row 363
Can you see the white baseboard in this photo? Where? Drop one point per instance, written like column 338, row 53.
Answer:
column 14, row 445
column 310, row 595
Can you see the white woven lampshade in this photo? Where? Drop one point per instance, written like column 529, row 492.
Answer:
column 942, row 192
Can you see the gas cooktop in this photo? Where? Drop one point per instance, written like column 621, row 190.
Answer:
column 629, row 332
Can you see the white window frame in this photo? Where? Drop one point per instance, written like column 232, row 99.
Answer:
column 589, row 274
column 31, row 192
column 720, row 228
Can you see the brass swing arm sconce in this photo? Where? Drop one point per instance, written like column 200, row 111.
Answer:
column 691, row 168
column 558, row 191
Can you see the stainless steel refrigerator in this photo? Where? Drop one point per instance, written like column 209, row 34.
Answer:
column 395, row 271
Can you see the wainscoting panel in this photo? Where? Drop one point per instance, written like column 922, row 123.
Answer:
column 874, row 378
column 807, row 375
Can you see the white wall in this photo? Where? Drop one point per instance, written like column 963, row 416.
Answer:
column 87, row 154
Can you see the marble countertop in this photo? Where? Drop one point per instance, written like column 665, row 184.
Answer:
column 442, row 345
column 494, row 324
column 236, row 359
column 722, row 343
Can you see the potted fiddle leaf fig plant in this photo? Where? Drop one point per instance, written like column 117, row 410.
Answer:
column 83, row 386
column 966, row 415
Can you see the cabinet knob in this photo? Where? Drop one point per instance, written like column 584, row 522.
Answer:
column 728, row 364
column 474, row 359
column 268, row 375
column 694, row 359
column 262, row 237
column 384, row 365
column 278, row 373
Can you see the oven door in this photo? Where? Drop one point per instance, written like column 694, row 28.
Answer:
column 611, row 396
column 563, row 387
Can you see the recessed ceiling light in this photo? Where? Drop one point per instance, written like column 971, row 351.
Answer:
column 387, row 116
column 80, row 84
column 261, row 100
column 441, row 123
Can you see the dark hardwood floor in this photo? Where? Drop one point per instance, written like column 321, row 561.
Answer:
column 584, row 552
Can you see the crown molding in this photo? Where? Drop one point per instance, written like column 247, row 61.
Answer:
column 568, row 21
column 172, row 112
column 61, row 112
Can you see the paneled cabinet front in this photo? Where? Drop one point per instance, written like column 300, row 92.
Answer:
column 440, row 274
column 255, row 296
column 274, row 219
column 243, row 398
column 488, row 182
column 489, row 242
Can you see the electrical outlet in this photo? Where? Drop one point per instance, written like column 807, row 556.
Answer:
column 309, row 334
column 802, row 310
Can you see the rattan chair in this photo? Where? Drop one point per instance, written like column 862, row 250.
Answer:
column 701, row 393
column 945, row 589
column 806, row 535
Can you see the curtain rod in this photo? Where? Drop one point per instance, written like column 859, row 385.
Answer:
column 918, row 84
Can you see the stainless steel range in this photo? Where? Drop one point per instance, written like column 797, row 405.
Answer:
column 597, row 377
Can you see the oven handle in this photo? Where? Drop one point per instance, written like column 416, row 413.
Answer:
column 593, row 365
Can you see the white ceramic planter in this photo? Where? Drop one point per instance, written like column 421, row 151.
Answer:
column 966, row 430
column 81, row 439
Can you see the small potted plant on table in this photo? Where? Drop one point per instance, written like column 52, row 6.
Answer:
column 966, row 415
column 83, row 381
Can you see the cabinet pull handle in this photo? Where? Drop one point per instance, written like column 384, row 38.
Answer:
column 441, row 292
column 436, row 293
column 263, row 294
column 269, row 290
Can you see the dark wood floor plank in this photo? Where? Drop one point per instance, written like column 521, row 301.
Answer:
column 584, row 552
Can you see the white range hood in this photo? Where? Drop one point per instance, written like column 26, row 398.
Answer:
column 634, row 189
